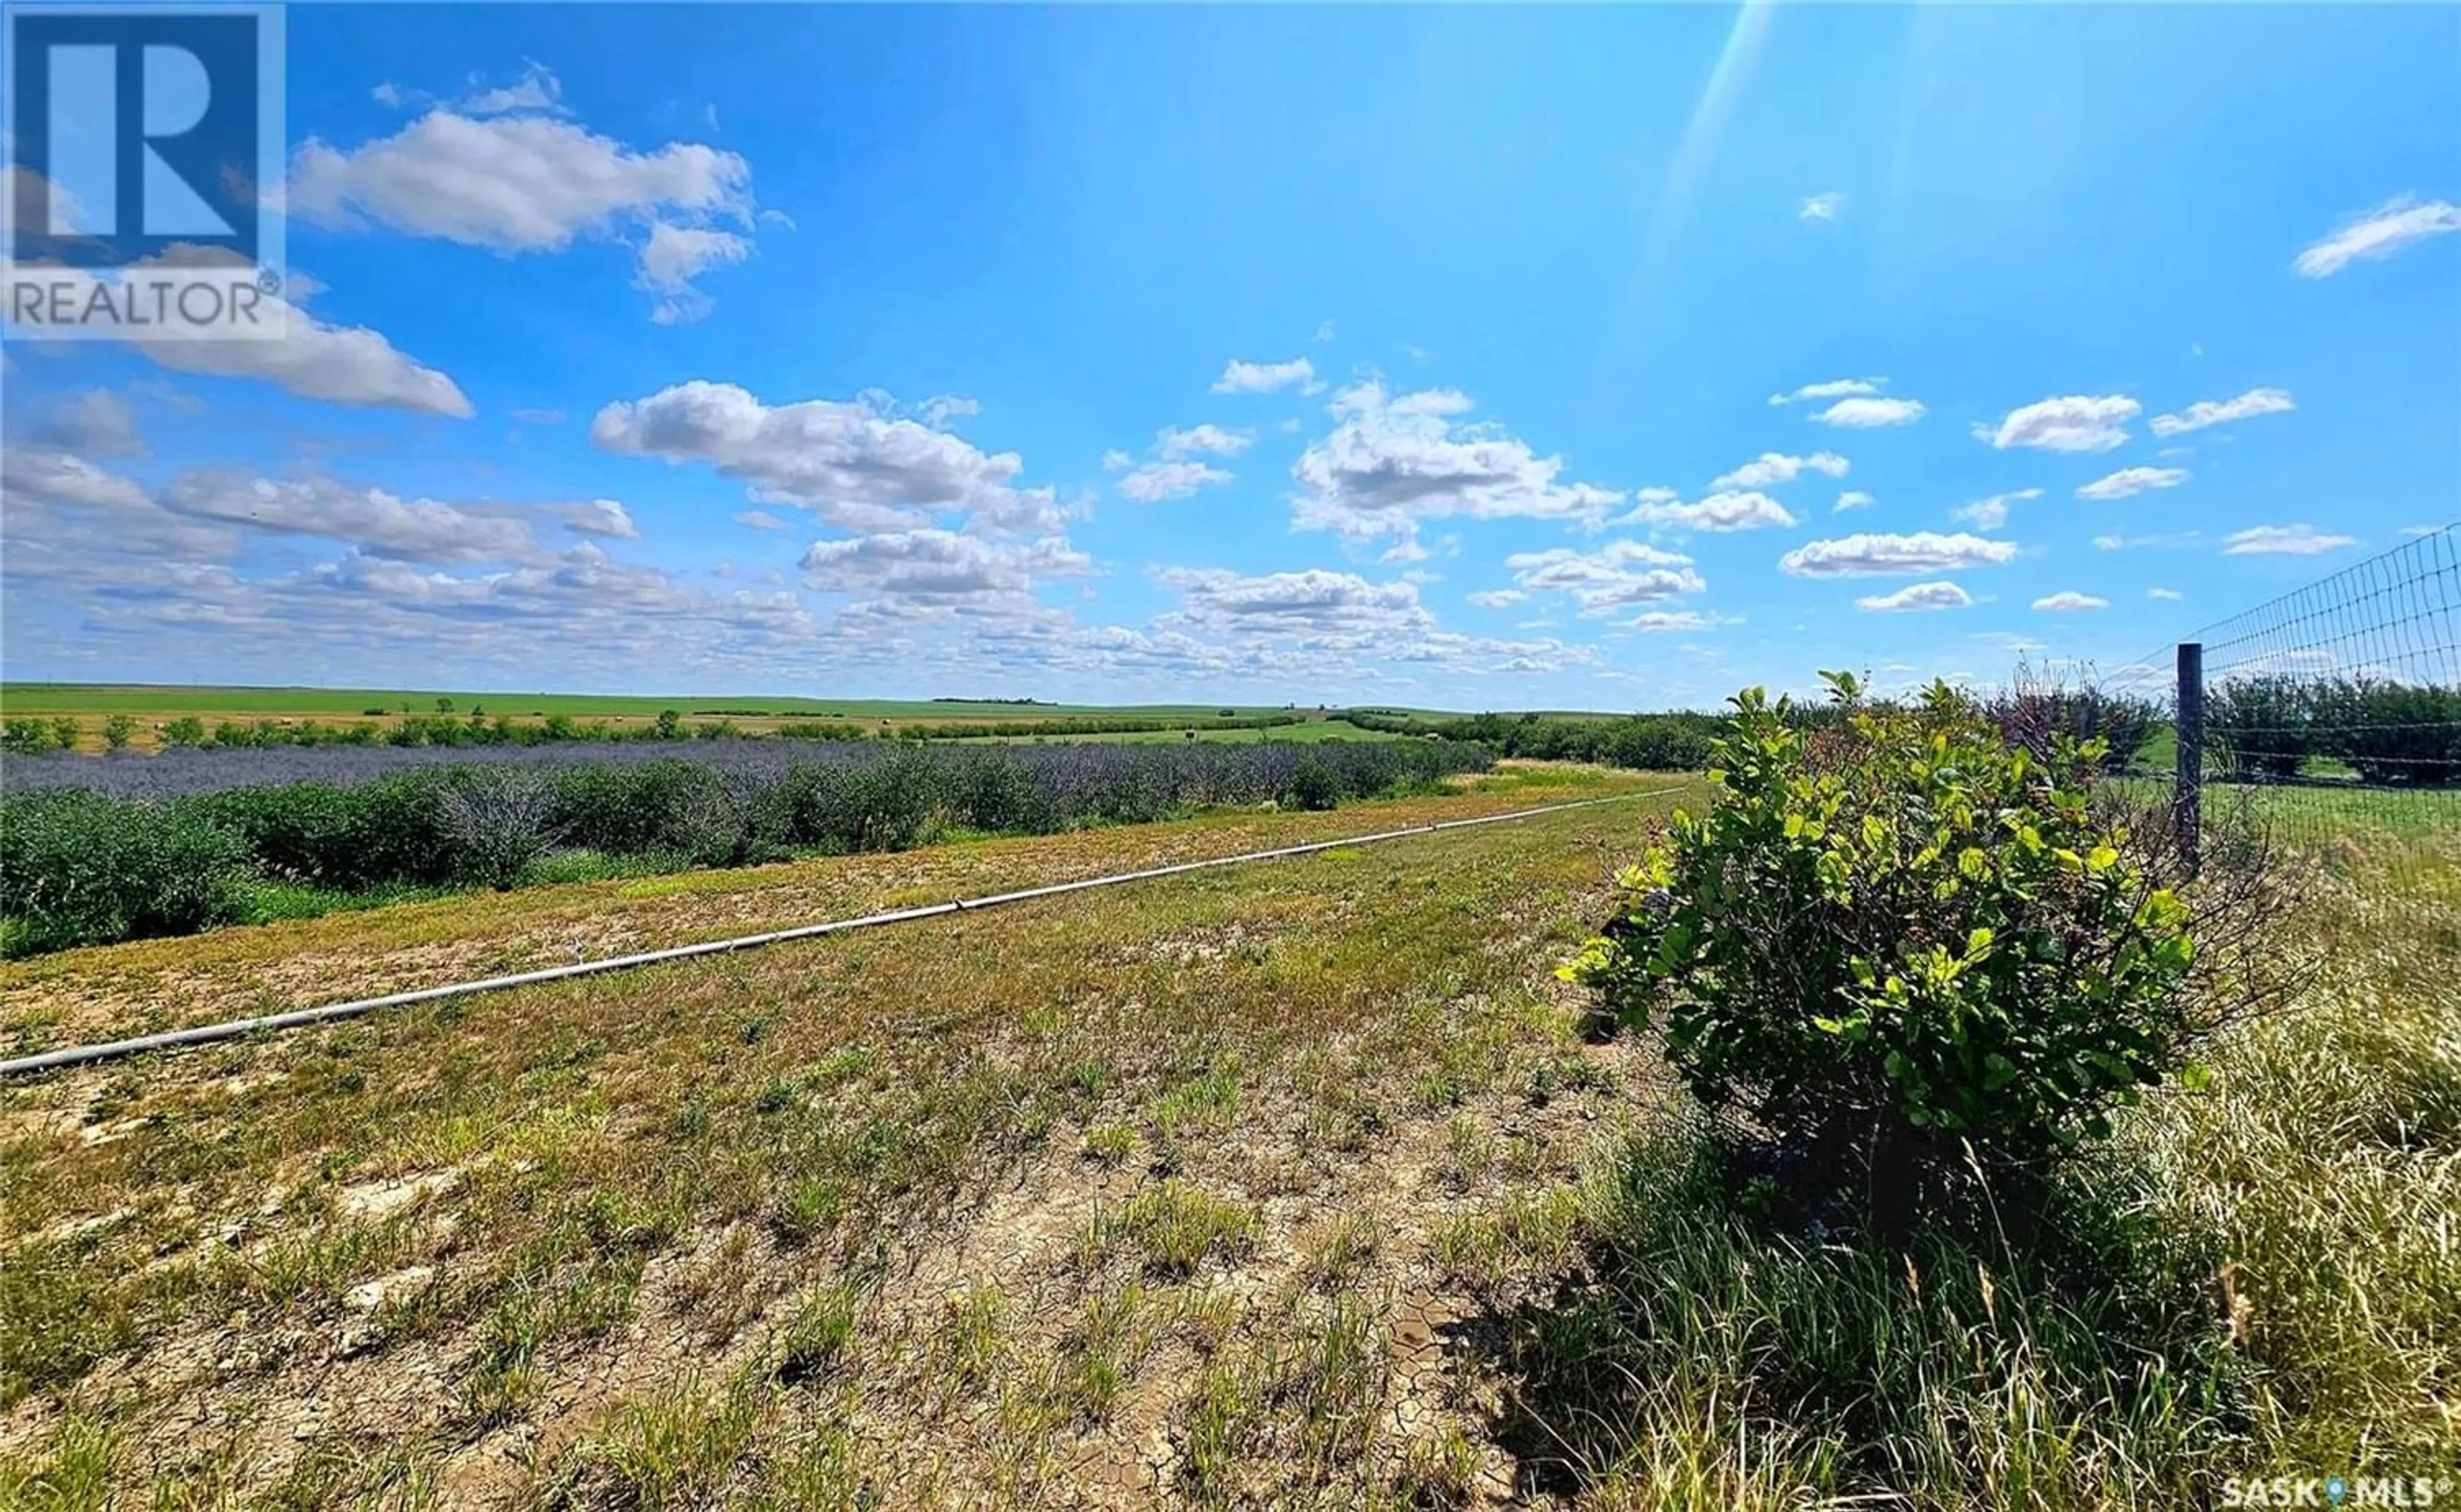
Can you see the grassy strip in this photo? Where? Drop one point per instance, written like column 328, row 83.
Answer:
column 143, row 986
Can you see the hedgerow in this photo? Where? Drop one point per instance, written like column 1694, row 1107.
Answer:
column 96, row 849
column 2270, row 727
column 77, row 869
column 1654, row 743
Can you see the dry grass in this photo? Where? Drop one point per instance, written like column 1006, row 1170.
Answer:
column 1128, row 1196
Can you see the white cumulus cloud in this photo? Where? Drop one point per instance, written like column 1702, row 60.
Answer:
column 2129, row 482
column 851, row 463
column 2069, row 602
column 2208, row 412
column 2072, row 423
column 1204, row 440
column 1156, row 481
column 1830, row 389
column 1395, row 462
column 2291, row 540
column 1617, row 575
column 1826, row 205
column 1731, row 510
column 2380, row 232
column 1852, row 499
column 1990, row 514
column 1266, row 377
column 1871, row 556
column 515, row 183
column 1941, row 595
column 1867, row 415
column 1777, row 467
column 337, row 364
column 937, row 567
column 673, row 256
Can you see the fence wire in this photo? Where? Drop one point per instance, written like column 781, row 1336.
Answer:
column 2330, row 715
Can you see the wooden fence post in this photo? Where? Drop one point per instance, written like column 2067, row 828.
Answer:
column 2187, row 788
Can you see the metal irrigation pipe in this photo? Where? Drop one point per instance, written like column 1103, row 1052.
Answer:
column 209, row 1034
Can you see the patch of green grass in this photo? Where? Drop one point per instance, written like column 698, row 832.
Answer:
column 1100, row 1352
column 1276, row 1416
column 58, row 1314
column 824, row 1323
column 680, row 1448
column 1169, row 1228
column 1111, row 1143
column 71, row 1472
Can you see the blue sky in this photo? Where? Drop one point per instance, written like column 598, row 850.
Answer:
column 1450, row 357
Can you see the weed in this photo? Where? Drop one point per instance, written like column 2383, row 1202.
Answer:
column 819, row 1330
column 1169, row 1228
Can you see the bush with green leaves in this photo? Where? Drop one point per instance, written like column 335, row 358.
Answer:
column 77, row 869
column 1313, row 784
column 28, row 736
column 1901, row 939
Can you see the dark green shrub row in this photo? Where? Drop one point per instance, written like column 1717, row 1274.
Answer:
column 475, row 729
column 1657, row 742
column 2271, row 727
column 77, row 866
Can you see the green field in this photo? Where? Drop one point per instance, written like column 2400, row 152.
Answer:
column 150, row 707
column 29, row 699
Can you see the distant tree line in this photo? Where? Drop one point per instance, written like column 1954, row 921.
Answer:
column 1656, row 742
column 2277, row 727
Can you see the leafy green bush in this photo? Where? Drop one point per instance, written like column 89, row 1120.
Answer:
column 117, row 730
column 1658, row 742
column 26, row 737
column 888, row 804
column 370, row 833
column 1899, row 937
column 77, row 869
column 2035, row 714
column 1313, row 784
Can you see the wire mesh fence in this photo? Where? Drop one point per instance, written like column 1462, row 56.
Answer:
column 2326, row 722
